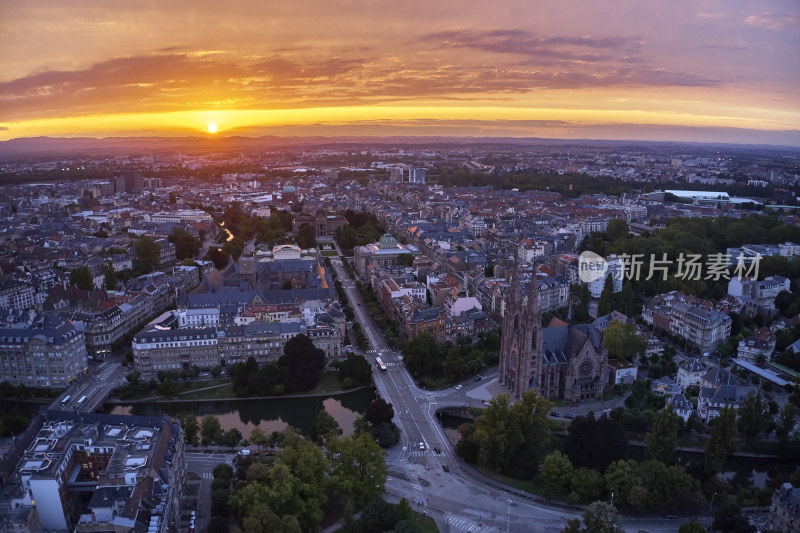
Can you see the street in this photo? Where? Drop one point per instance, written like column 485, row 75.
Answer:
column 461, row 499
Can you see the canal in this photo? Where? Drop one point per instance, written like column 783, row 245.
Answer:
column 268, row 414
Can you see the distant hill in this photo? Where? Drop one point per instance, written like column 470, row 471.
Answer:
column 88, row 146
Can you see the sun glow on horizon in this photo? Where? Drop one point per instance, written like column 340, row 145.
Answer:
column 212, row 128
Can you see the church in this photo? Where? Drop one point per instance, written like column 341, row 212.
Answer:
column 566, row 362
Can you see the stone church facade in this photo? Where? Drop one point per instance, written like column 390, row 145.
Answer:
column 566, row 362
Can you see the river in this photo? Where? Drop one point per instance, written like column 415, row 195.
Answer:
column 270, row 414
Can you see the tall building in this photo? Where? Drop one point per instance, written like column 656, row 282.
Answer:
column 416, row 175
column 396, row 174
column 522, row 338
column 566, row 362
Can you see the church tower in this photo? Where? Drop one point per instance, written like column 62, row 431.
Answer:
column 521, row 342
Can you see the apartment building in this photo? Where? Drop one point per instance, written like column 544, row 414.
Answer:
column 96, row 472
column 49, row 355
column 689, row 318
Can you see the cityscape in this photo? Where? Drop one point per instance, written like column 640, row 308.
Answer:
column 381, row 268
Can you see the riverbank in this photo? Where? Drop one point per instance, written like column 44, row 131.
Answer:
column 160, row 399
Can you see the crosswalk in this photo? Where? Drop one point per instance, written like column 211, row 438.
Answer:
column 459, row 524
column 424, row 453
column 208, row 475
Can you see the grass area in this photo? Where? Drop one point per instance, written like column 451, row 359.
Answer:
column 527, row 485
column 426, row 524
column 188, row 388
column 226, row 391
column 330, row 253
column 329, row 383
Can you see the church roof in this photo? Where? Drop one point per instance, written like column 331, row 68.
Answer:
column 559, row 343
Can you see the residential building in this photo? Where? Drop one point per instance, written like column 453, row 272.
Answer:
column 621, row 371
column 664, row 386
column 689, row 318
column 784, row 514
column 760, row 344
column 682, row 407
column 719, row 389
column 49, row 355
column 690, row 373
column 16, row 295
column 95, row 472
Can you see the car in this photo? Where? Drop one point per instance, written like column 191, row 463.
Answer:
column 445, row 467
column 437, row 450
column 244, row 452
column 487, row 403
column 553, row 414
column 477, row 378
column 459, row 387
column 568, row 415
column 421, row 445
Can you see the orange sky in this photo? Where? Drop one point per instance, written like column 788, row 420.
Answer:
column 702, row 70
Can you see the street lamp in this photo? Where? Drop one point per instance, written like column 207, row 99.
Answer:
column 612, row 499
column 712, row 502
column 508, row 517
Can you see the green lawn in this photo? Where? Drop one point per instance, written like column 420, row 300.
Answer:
column 330, row 253
column 225, row 391
column 426, row 524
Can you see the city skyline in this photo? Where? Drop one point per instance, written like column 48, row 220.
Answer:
column 702, row 71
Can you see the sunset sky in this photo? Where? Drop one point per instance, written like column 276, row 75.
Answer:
column 696, row 70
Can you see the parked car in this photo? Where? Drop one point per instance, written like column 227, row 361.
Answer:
column 568, row 415
column 459, row 387
column 553, row 413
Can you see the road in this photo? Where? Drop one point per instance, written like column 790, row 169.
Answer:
column 459, row 500
column 96, row 385
column 199, row 468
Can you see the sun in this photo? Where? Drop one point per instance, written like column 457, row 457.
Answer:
column 212, row 128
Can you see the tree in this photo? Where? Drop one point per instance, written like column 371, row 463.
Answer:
column 148, row 255
column 325, row 428
column 306, row 236
column 788, row 439
column 556, row 472
column 82, row 278
column 754, row 418
column 595, row 443
column 511, row 438
column 210, row 430
column 133, row 377
column 720, row 443
column 405, row 260
column 729, row 519
column 661, row 442
column 355, row 368
column 186, row 245
column 379, row 412
column 258, row 437
column 587, row 484
column 190, row 428
column 232, row 437
column 216, row 370
column 617, row 229
column 620, row 478
column 623, row 341
column 358, row 470
column 223, row 472
column 304, row 363
column 691, row 527
column 604, row 305
column 601, row 517
column 109, row 277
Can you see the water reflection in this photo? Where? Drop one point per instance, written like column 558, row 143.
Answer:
column 270, row 415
